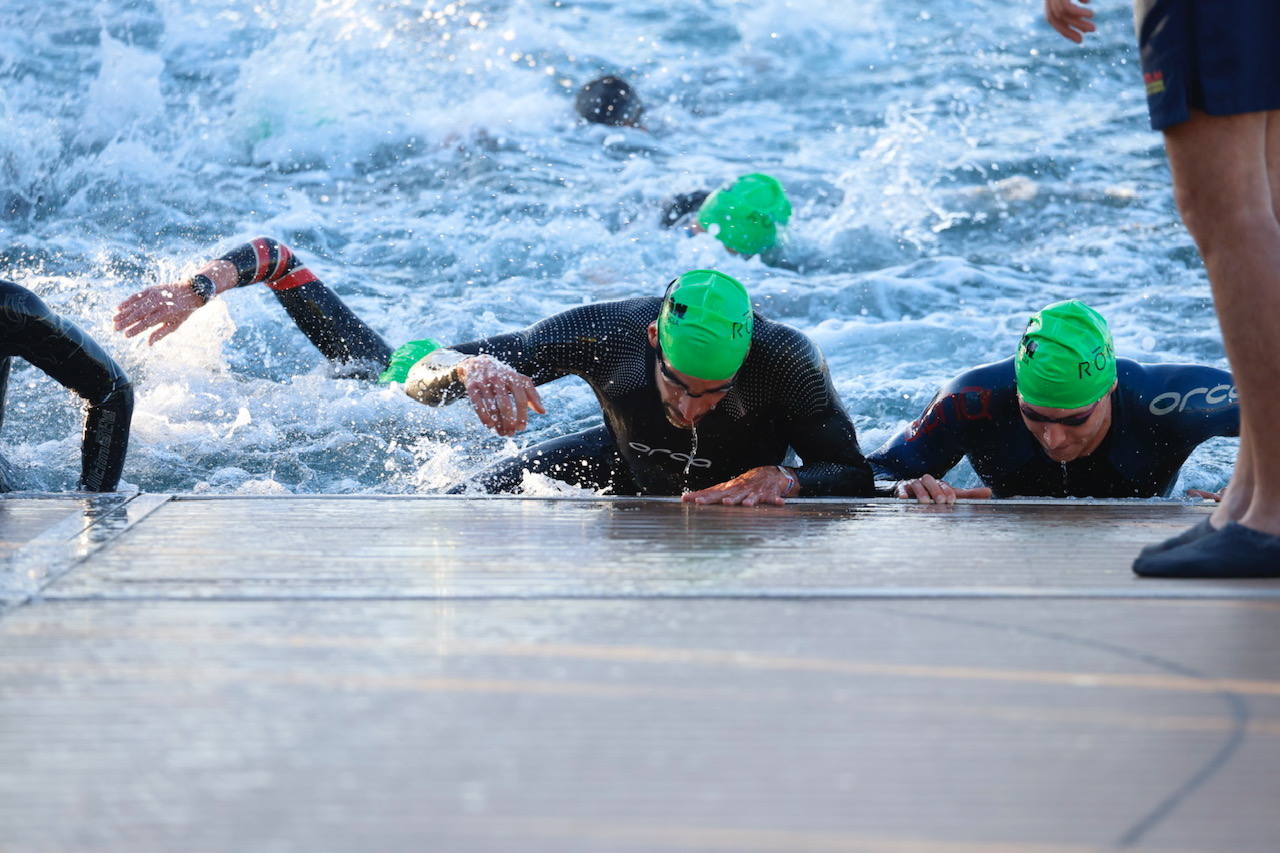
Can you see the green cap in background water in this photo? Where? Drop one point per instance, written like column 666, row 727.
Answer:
column 746, row 214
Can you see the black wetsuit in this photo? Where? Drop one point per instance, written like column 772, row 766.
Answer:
column 1159, row 412
column 782, row 400
column 29, row 330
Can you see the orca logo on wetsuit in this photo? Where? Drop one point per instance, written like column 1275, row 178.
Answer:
column 678, row 457
column 1172, row 401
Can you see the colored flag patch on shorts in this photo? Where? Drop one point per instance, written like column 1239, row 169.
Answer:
column 1154, row 81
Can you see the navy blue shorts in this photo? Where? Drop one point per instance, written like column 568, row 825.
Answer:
column 1219, row 56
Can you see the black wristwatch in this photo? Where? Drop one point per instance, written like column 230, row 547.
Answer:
column 203, row 287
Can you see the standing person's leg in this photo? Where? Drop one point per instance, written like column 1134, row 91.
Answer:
column 1239, row 494
column 1222, row 173
column 1273, row 160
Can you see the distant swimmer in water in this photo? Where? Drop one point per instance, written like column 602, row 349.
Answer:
column 610, row 100
column 701, row 397
column 29, row 330
column 747, row 214
column 1062, row 418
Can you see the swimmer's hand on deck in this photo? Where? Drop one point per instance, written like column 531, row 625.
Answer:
column 501, row 396
column 768, row 484
column 930, row 490
column 1069, row 18
column 168, row 305
column 1206, row 495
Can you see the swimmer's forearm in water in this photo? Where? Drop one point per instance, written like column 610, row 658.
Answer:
column 501, row 396
column 434, row 380
column 106, row 441
column 267, row 261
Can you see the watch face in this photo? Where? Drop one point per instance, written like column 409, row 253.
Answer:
column 203, row 287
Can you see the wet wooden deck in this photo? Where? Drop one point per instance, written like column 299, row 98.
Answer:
column 450, row 674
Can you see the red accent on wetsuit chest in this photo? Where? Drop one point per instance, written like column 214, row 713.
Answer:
column 984, row 403
column 935, row 416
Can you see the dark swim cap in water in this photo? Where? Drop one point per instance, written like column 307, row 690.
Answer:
column 704, row 326
column 405, row 357
column 745, row 215
column 1066, row 358
column 609, row 100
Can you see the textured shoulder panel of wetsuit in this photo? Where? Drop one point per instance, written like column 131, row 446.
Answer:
column 995, row 378
column 604, row 342
column 30, row 330
column 1195, row 400
column 786, row 375
column 784, row 369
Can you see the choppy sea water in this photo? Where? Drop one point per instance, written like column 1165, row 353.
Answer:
column 954, row 166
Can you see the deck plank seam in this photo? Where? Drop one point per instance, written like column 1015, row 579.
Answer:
column 59, row 549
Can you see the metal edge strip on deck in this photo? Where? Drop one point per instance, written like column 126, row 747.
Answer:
column 56, row 551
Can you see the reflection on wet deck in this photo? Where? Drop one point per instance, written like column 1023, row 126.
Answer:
column 442, row 673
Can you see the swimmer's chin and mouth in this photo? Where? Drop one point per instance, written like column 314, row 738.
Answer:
column 673, row 418
column 1064, row 455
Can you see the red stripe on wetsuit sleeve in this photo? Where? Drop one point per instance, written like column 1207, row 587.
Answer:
column 297, row 278
column 263, row 253
column 285, row 257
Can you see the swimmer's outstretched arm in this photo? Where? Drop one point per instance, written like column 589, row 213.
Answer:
column 324, row 318
column 498, row 374
column 501, row 395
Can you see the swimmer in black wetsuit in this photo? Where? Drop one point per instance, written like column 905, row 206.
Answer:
column 701, row 401
column 29, row 330
column 747, row 214
column 1062, row 418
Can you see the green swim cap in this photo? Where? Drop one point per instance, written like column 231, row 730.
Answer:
column 1066, row 359
column 745, row 215
column 704, row 327
column 405, row 357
